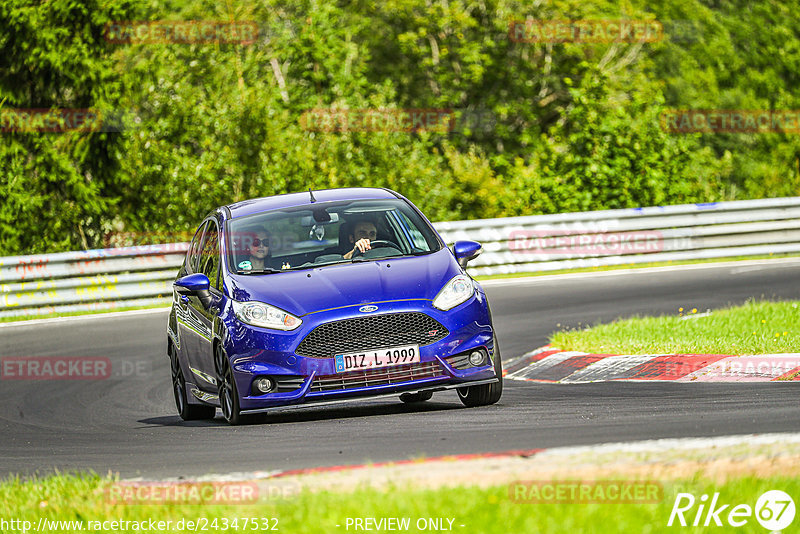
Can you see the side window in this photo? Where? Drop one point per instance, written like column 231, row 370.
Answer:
column 209, row 258
column 194, row 249
column 411, row 231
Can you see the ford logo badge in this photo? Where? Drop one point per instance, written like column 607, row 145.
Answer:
column 367, row 309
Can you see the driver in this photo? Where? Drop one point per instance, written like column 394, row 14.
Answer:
column 363, row 232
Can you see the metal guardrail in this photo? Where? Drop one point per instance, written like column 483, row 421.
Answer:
column 630, row 236
column 89, row 280
column 142, row 275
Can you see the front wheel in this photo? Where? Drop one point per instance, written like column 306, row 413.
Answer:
column 188, row 412
column 228, row 394
column 485, row 394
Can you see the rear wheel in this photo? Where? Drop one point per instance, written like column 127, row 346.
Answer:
column 485, row 393
column 422, row 396
column 188, row 412
column 228, row 394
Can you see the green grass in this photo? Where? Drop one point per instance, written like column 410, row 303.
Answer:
column 491, row 510
column 757, row 327
column 633, row 266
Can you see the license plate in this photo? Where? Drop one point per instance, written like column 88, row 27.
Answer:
column 366, row 359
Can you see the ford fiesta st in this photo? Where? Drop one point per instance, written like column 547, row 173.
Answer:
column 326, row 296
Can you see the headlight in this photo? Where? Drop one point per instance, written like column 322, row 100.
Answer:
column 260, row 314
column 454, row 292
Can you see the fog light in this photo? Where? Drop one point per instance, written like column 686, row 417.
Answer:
column 476, row 358
column 264, row 384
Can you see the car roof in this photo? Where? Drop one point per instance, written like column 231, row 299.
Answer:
column 290, row 200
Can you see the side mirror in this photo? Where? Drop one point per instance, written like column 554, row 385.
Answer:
column 465, row 251
column 195, row 284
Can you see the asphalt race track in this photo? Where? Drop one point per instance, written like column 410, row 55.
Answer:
column 128, row 424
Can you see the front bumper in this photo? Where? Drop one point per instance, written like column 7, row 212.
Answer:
column 327, row 400
column 468, row 325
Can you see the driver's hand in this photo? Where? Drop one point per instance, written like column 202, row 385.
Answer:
column 362, row 245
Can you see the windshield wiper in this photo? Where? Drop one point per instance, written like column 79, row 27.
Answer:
column 334, row 262
column 266, row 270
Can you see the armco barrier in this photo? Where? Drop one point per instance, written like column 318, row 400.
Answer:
column 142, row 275
column 629, row 236
column 89, row 280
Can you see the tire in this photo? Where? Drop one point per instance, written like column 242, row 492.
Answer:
column 422, row 396
column 228, row 394
column 485, row 394
column 188, row 412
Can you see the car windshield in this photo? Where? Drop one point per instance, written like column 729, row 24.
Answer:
column 325, row 234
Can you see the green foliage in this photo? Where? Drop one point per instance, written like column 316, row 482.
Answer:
column 204, row 124
column 56, row 186
column 609, row 152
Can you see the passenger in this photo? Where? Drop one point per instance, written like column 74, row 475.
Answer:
column 257, row 243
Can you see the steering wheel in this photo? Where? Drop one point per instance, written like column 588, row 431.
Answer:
column 378, row 243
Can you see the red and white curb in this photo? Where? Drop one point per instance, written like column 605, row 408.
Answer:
column 601, row 454
column 549, row 364
column 517, row 453
column 333, row 469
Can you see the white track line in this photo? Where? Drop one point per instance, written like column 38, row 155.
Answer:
column 88, row 316
column 493, row 282
column 657, row 445
column 744, row 264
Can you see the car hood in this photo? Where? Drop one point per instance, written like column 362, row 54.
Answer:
column 347, row 284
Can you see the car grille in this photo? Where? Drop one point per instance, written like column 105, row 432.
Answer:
column 376, row 377
column 373, row 332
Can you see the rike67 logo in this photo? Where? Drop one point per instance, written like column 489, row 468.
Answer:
column 774, row 510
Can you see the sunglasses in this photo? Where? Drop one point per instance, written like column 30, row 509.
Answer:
column 258, row 242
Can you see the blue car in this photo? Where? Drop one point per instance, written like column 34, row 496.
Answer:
column 324, row 297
